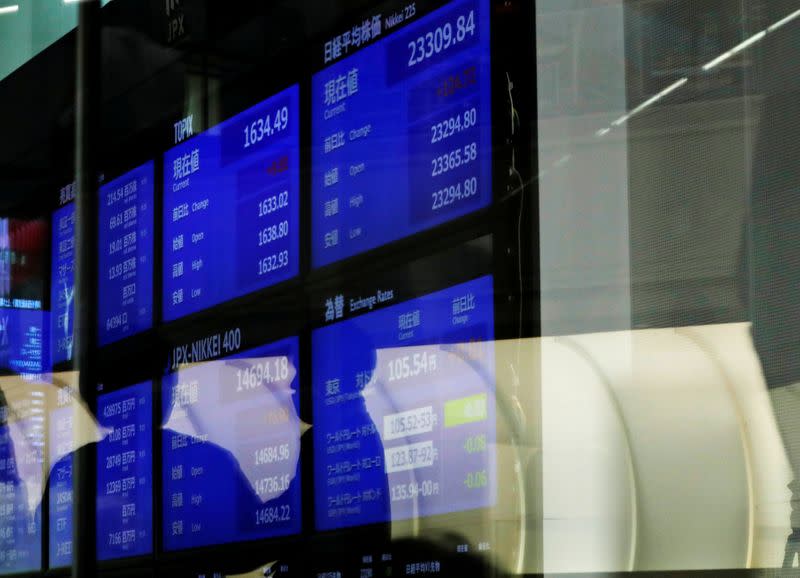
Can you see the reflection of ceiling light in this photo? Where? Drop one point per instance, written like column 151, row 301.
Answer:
column 783, row 21
column 750, row 41
column 735, row 50
column 9, row 9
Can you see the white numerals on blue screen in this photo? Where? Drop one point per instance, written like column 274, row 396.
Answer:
column 273, row 262
column 267, row 126
column 443, row 37
column 265, row 372
column 273, row 203
column 273, row 233
column 273, row 514
column 455, row 158
column 454, row 125
column 455, row 193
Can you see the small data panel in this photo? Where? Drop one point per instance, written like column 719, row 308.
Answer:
column 125, row 473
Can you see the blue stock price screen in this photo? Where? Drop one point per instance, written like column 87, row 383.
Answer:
column 231, row 210
column 403, row 401
column 21, row 472
column 231, row 447
column 125, row 240
column 401, row 128
column 60, row 449
column 125, row 473
column 62, row 283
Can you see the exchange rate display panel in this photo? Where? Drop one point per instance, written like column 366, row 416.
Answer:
column 125, row 473
column 231, row 444
column 125, row 266
column 60, row 449
column 62, row 281
column 403, row 403
column 21, row 471
column 401, row 128
column 231, row 208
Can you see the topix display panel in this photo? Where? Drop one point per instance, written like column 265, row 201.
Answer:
column 125, row 265
column 231, row 208
column 125, row 473
column 401, row 129
column 62, row 282
column 404, row 406
column 21, row 473
column 231, row 445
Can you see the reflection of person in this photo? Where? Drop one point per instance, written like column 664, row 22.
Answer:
column 20, row 529
column 351, row 353
column 774, row 251
column 213, row 490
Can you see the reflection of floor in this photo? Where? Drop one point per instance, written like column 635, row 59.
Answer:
column 660, row 437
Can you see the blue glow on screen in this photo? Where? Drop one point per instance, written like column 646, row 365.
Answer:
column 231, row 207
column 402, row 133
column 21, row 472
column 403, row 402
column 60, row 451
column 231, row 448
column 24, row 342
column 62, row 283
column 125, row 473
column 125, row 266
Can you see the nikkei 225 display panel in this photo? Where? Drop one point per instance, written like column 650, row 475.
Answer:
column 401, row 127
column 403, row 390
column 230, row 441
column 231, row 208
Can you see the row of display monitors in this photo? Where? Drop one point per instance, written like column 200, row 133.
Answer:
column 401, row 141
column 403, row 405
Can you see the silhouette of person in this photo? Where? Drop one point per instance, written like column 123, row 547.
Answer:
column 207, row 497
column 774, row 239
column 348, row 355
column 20, row 527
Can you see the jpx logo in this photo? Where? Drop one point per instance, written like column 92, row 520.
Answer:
column 175, row 20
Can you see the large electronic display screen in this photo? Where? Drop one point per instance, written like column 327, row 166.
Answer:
column 404, row 406
column 401, row 129
column 125, row 473
column 125, row 265
column 62, row 283
column 21, row 473
column 231, row 445
column 231, row 208
column 60, row 452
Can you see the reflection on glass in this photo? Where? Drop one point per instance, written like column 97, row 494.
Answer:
column 231, row 448
column 62, row 420
column 62, row 281
column 21, row 470
column 404, row 420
